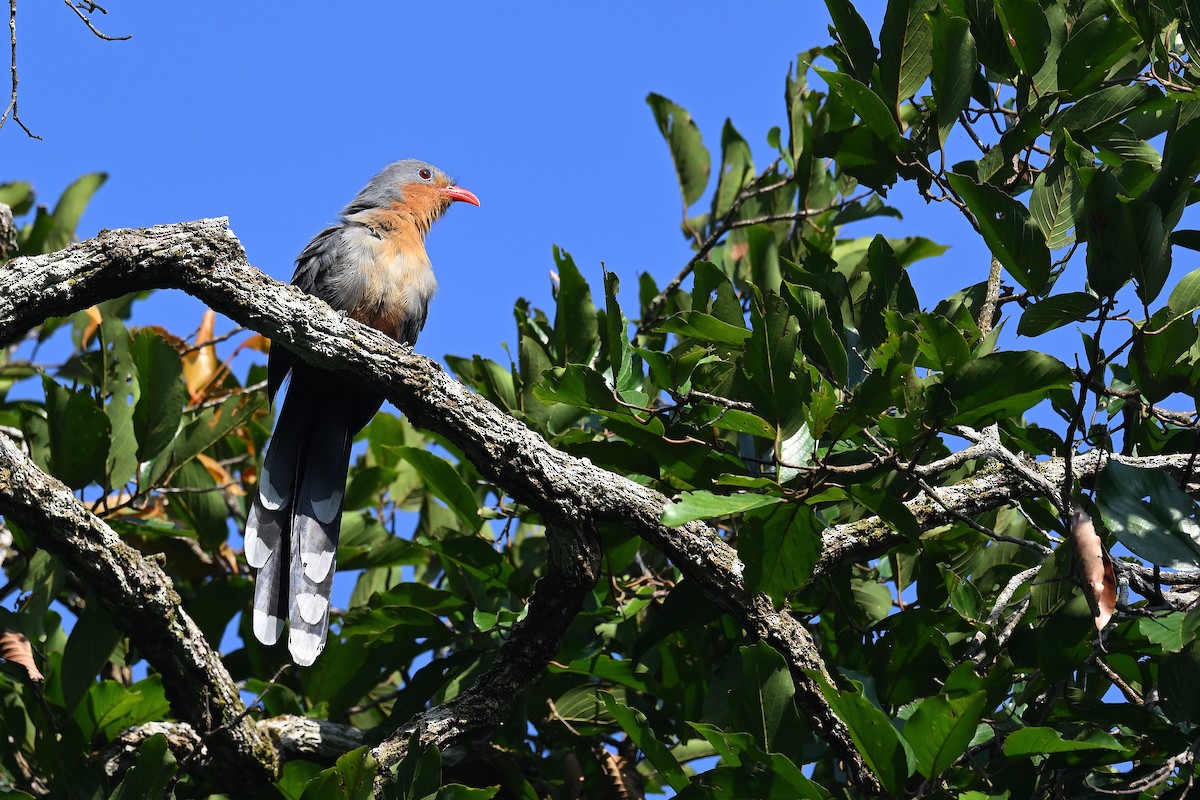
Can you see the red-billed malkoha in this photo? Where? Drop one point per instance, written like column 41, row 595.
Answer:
column 371, row 266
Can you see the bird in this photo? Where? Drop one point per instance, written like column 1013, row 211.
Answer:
column 372, row 267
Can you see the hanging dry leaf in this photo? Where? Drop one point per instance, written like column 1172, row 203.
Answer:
column 14, row 647
column 200, row 365
column 1095, row 568
column 228, row 558
column 257, row 342
column 221, row 475
column 94, row 320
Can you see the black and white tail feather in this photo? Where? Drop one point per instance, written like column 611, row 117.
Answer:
column 292, row 529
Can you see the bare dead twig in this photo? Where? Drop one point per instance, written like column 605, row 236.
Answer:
column 12, row 102
column 79, row 8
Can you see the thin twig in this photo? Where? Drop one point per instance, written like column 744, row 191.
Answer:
column 86, row 21
column 12, row 103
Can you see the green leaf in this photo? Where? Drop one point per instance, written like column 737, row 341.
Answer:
column 691, row 157
column 906, row 49
column 1054, row 312
column 79, row 434
column 753, row 692
column 779, row 546
column 119, row 388
column 1005, row 226
column 151, row 774
column 737, row 170
column 91, row 643
column 1028, row 35
column 1004, row 384
column 883, row 748
column 855, row 37
column 705, row 328
column 955, row 66
column 1056, row 201
column 351, row 778
column 706, row 505
column 1185, row 297
column 1148, row 513
column 871, row 110
column 445, row 483
column 162, row 393
column 940, row 729
column 55, row 231
column 634, row 723
column 1037, row 741
column 18, row 196
column 575, row 326
column 201, row 504
column 1110, row 232
column 1109, row 105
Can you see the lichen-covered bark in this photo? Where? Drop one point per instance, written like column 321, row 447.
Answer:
column 140, row 597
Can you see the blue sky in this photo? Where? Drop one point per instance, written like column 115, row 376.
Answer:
column 276, row 115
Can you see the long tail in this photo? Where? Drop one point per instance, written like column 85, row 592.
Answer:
column 292, row 529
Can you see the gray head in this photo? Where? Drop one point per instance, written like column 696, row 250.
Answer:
column 410, row 182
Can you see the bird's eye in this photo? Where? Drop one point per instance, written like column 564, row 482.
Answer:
column 424, row 174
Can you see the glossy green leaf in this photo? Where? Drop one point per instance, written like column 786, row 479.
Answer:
column 18, row 196
column 737, row 170
column 706, row 505
column 119, row 389
column 905, row 49
column 634, row 723
column 88, row 649
column 1185, row 297
column 692, row 161
column 150, row 775
column 940, row 729
column 1109, row 105
column 1004, row 384
column 871, row 110
column 955, row 66
column 779, row 546
column 575, row 326
column 1039, row 741
column 1148, row 513
column 158, row 410
column 1056, row 201
column 855, row 37
column 1056, row 311
column 79, row 435
column 445, row 483
column 1008, row 231
column 705, row 328
column 54, row 231
column 882, row 747
column 1028, row 34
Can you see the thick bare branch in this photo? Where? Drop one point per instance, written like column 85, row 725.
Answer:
column 140, row 598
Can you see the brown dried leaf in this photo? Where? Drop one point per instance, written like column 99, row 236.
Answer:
column 257, row 342
column 94, row 320
column 14, row 647
column 228, row 558
column 200, row 366
column 221, row 475
column 1095, row 568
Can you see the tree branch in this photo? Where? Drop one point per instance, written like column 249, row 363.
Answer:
column 204, row 259
column 141, row 600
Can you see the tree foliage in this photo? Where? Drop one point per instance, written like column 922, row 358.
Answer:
column 799, row 397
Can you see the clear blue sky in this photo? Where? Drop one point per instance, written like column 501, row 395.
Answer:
column 275, row 115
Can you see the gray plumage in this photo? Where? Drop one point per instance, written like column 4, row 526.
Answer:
column 372, row 266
